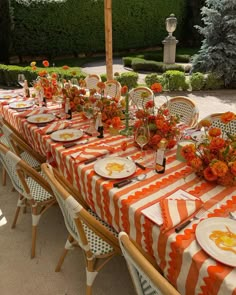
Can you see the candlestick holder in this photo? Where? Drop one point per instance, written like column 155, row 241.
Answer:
column 128, row 131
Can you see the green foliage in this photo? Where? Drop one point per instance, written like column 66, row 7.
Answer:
column 5, row 28
column 55, row 28
column 174, row 80
column 8, row 74
column 197, row 81
column 217, row 53
column 103, row 77
column 213, row 82
column 127, row 61
column 153, row 78
column 130, row 79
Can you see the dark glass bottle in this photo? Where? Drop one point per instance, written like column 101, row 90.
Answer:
column 160, row 157
column 26, row 89
column 68, row 109
column 99, row 125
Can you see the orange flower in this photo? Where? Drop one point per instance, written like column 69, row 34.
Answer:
column 227, row 117
column 65, row 67
column 219, row 168
column 101, row 85
column 196, row 163
column 205, row 123
column 33, row 64
column 156, row 87
column 45, row 63
column 54, row 75
column 214, row 132
column 188, row 151
column 233, row 168
column 116, row 122
column 124, row 145
column 209, row 175
column 149, row 104
column 171, row 143
column 42, row 73
column 124, row 90
column 155, row 139
column 217, row 143
column 226, row 180
column 34, row 68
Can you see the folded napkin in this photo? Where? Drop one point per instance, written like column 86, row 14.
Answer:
column 29, row 113
column 93, row 151
column 54, row 127
column 176, row 211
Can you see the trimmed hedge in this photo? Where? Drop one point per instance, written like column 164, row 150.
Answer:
column 55, row 27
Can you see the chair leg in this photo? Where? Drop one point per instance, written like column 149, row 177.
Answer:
column 35, row 221
column 91, row 275
column 68, row 246
column 20, row 203
column 4, row 176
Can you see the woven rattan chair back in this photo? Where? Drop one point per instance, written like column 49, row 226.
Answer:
column 147, row 280
column 94, row 238
column 20, row 147
column 215, row 120
column 140, row 95
column 112, row 89
column 32, row 187
column 185, row 108
column 92, row 81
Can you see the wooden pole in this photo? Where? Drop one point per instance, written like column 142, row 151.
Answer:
column 108, row 37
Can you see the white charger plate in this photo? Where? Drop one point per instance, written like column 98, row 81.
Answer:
column 205, row 229
column 21, row 105
column 114, row 167
column 41, row 118
column 66, row 135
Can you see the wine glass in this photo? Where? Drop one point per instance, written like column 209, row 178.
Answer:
column 89, row 114
column 21, row 79
column 142, row 137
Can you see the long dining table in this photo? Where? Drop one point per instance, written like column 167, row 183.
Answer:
column 179, row 256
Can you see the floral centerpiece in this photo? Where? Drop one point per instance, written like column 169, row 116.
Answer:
column 214, row 158
column 161, row 124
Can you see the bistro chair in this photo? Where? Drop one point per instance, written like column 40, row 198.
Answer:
column 216, row 122
column 146, row 279
column 98, row 241
column 31, row 186
column 140, row 95
column 92, row 81
column 185, row 108
column 4, row 141
column 20, row 147
column 112, row 89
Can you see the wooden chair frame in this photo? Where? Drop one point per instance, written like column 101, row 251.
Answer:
column 116, row 89
column 179, row 103
column 95, row 79
column 137, row 100
column 81, row 218
column 24, row 172
column 144, row 275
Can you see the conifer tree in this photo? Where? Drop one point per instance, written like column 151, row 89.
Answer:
column 218, row 50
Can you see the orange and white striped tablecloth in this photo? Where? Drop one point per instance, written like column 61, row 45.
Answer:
column 182, row 260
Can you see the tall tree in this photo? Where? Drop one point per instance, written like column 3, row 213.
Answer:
column 5, row 24
column 217, row 53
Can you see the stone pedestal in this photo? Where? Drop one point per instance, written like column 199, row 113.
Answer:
column 169, row 49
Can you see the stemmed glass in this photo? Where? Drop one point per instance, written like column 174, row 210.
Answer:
column 142, row 137
column 89, row 114
column 21, row 80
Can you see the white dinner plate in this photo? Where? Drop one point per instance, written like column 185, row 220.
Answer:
column 114, row 167
column 41, row 118
column 198, row 135
column 66, row 135
column 206, row 228
column 21, row 105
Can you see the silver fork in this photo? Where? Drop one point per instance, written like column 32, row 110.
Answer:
column 197, row 216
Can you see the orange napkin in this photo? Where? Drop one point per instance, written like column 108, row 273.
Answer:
column 177, row 211
column 54, row 127
column 29, row 113
column 92, row 151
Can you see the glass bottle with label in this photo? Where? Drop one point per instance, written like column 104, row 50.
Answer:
column 26, row 89
column 99, row 125
column 68, row 109
column 160, row 156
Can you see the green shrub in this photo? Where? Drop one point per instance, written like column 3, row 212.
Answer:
column 139, row 64
column 9, row 73
column 153, row 78
column 130, row 79
column 184, row 58
column 213, row 82
column 197, row 81
column 103, row 77
column 127, row 61
column 174, row 80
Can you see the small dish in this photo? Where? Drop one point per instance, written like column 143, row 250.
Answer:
column 41, row 118
column 114, row 167
column 66, row 135
column 18, row 105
